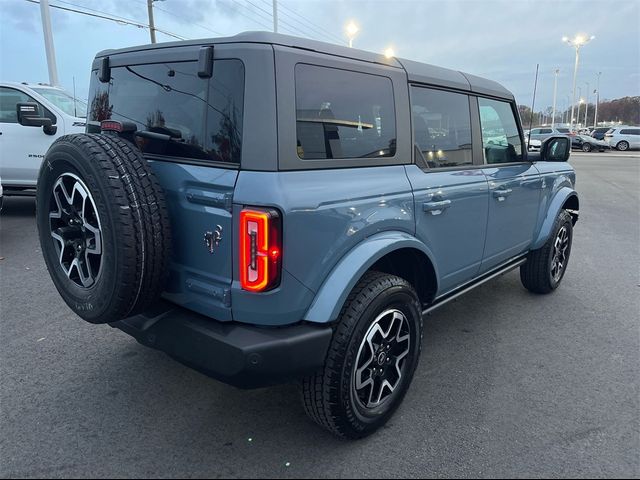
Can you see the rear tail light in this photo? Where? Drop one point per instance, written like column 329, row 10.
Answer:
column 260, row 249
column 119, row 127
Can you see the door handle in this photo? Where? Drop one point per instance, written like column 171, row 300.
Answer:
column 436, row 208
column 502, row 195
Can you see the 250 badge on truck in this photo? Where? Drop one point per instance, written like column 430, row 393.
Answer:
column 266, row 209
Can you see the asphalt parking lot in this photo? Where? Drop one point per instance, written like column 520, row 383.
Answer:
column 510, row 383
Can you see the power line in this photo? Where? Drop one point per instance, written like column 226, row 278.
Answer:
column 309, row 24
column 287, row 25
column 156, row 7
column 107, row 16
column 268, row 27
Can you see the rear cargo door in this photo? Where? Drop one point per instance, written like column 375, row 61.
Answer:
column 189, row 127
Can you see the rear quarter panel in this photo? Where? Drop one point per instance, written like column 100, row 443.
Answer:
column 326, row 213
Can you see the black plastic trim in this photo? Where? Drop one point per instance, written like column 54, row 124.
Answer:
column 241, row 355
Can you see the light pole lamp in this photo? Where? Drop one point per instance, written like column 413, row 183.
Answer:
column 352, row 30
column 577, row 42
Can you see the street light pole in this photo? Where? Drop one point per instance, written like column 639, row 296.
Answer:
column 595, row 116
column 352, row 31
column 555, row 92
column 152, row 27
column 577, row 42
column 586, row 106
column 48, row 42
column 275, row 16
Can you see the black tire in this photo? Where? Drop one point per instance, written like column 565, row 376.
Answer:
column 586, row 147
column 132, row 220
column 538, row 274
column 330, row 396
column 622, row 146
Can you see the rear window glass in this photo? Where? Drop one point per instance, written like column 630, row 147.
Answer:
column 343, row 114
column 441, row 127
column 177, row 113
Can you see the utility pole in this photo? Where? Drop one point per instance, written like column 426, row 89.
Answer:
column 152, row 27
column 48, row 42
column 595, row 116
column 555, row 91
column 275, row 16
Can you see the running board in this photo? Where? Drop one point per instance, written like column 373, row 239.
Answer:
column 475, row 283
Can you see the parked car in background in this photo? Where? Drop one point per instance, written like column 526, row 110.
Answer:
column 587, row 143
column 623, row 138
column 24, row 141
column 533, row 145
column 598, row 133
column 542, row 133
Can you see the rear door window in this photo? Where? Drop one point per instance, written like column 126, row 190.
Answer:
column 177, row 113
column 343, row 114
column 500, row 136
column 630, row 131
column 442, row 127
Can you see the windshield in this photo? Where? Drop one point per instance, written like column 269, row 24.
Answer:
column 64, row 101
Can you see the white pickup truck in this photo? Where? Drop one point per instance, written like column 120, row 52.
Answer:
column 22, row 147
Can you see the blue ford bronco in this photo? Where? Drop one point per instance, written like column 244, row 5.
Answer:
column 268, row 209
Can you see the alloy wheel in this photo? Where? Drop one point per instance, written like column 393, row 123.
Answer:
column 560, row 251
column 76, row 230
column 379, row 367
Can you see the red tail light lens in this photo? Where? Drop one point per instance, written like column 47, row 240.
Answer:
column 111, row 126
column 260, row 249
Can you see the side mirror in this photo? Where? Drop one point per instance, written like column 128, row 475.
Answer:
column 555, row 149
column 29, row 116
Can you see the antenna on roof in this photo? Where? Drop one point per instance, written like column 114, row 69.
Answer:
column 75, row 108
column 533, row 104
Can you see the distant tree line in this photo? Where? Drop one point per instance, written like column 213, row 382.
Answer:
column 625, row 110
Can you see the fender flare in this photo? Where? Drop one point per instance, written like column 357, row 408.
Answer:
column 552, row 213
column 335, row 289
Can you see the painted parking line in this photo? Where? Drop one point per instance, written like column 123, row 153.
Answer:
column 626, row 155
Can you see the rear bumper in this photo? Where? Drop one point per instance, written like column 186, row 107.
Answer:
column 240, row 355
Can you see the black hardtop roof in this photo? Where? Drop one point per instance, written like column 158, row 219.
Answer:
column 416, row 71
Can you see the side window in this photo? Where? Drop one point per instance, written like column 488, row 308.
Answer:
column 9, row 98
column 546, row 130
column 536, row 131
column 343, row 114
column 500, row 137
column 176, row 113
column 442, row 127
column 630, row 131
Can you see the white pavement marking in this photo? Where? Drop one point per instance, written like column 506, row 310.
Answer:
column 626, row 155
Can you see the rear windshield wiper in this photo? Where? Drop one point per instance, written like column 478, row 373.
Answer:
column 158, row 136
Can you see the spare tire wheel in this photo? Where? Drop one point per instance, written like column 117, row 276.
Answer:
column 103, row 226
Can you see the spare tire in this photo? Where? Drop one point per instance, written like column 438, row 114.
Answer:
column 103, row 226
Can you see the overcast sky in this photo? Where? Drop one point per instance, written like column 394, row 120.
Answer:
column 500, row 40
